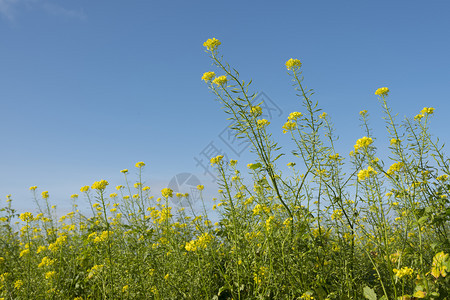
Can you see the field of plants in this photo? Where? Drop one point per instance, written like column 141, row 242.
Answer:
column 334, row 226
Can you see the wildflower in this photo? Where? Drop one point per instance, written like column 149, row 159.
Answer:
column 95, row 270
column 427, row 111
column 167, row 193
column 146, row 188
column 26, row 217
column 221, row 80
column 44, row 194
column 207, row 76
column 32, row 188
column 216, row 160
column 84, row 189
column 256, row 111
column 337, row 214
column 74, row 196
column 113, row 195
column 200, row 187
column 442, row 177
column 439, row 266
column 289, row 125
column 334, row 157
column 50, row 274
column 363, row 112
column 262, row 123
column 364, row 174
column 24, row 252
column 418, row 117
column 119, row 187
column 293, row 64
column 396, row 167
column 395, row 141
column 291, row 164
column 140, row 164
column 100, row 185
column 135, row 196
column 233, row 162
column 212, row 44
column 405, row 271
column 363, row 142
column 294, row 115
column 18, row 284
column 166, row 277
column 323, row 115
column 125, row 288
column 124, row 171
column 382, row 91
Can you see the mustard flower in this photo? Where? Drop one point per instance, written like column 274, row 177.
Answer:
column 363, row 142
column 291, row 164
column 207, row 76
column 442, row 177
column 146, row 188
column 262, row 123
column 364, row 174
column 167, row 193
column 363, row 112
column 382, row 91
column 18, row 284
column 200, row 187
column 418, row 117
column 216, row 160
column 74, row 196
column 293, row 64
column 294, row 115
column 140, row 164
column 26, row 217
column 221, row 80
column 396, row 167
column 137, row 185
column 427, row 111
column 124, row 171
column 233, row 162
column 256, row 111
column 323, row 115
column 288, row 126
column 84, row 189
column 212, row 44
column 50, row 274
column 32, row 188
column 100, row 185
column 405, row 271
column 113, row 195
column 395, row 141
column 119, row 187
column 45, row 195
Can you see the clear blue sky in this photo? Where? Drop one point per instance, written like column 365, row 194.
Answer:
column 88, row 88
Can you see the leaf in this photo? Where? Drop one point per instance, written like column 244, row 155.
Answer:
column 369, row 293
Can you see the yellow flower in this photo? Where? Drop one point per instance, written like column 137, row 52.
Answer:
column 124, row 171
column 256, row 111
column 50, row 274
column 396, row 167
column 100, row 185
column 74, row 196
column 364, row 174
column 119, row 187
column 26, row 217
column 140, row 164
column 323, row 115
column 363, row 112
column 207, row 76
column 233, row 162
column 289, row 125
column 293, row 64
column 427, row 111
column 125, row 288
column 113, row 195
column 167, row 193
column 212, row 44
column 291, row 164
column 200, row 187
column 395, row 141
column 221, row 80
column 18, row 284
column 45, row 195
column 216, row 160
column 262, row 123
column 418, row 117
column 405, row 271
column 363, row 142
column 294, row 115
column 45, row 262
column 32, row 188
column 442, row 177
column 382, row 91
column 84, row 189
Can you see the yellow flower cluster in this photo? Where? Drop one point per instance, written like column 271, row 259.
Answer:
column 395, row 168
column 221, row 80
column 44, row 195
column 58, row 243
column 26, row 217
column 337, row 214
column 382, row 91
column 262, row 123
column 140, row 164
column 258, row 209
column 427, row 111
column 216, row 160
column 200, row 243
column 395, row 141
column 32, row 188
column 84, row 189
column 45, row 262
column 167, row 193
column 405, row 271
column 363, row 112
column 200, row 187
column 364, row 174
column 94, row 270
column 212, row 44
column 293, row 64
column 207, row 76
column 363, row 142
column 100, row 185
column 442, row 177
column 294, row 115
column 289, row 125
column 256, row 111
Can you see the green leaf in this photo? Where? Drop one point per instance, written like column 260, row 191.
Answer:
column 369, row 293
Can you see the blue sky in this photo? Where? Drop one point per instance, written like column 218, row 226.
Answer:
column 91, row 87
